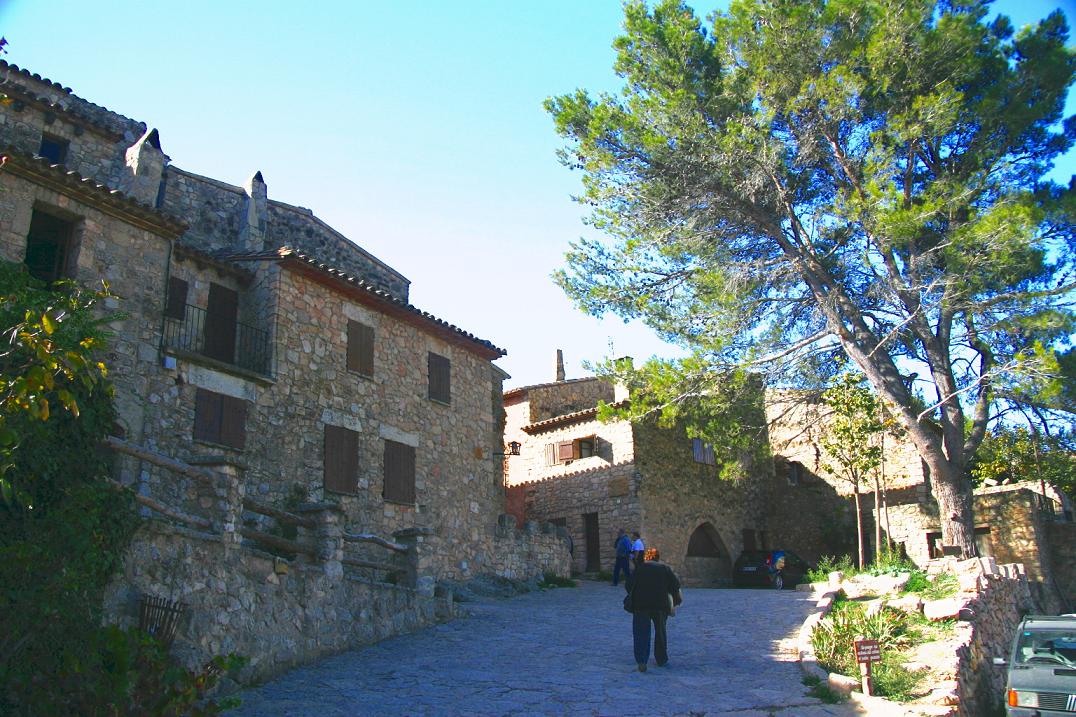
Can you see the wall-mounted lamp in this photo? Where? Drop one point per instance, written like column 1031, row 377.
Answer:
column 512, row 449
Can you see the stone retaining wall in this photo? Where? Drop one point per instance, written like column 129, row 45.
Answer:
column 238, row 602
column 1062, row 537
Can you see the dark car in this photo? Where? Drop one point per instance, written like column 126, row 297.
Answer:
column 752, row 569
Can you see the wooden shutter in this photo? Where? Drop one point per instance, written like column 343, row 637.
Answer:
column 175, row 306
column 207, row 416
column 565, row 451
column 341, row 460
column 222, row 313
column 551, row 454
column 440, row 372
column 399, row 473
column 233, row 422
column 360, row 348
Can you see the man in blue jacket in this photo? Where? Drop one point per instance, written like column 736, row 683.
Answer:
column 654, row 590
column 622, row 546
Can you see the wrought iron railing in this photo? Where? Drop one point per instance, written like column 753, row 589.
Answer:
column 249, row 349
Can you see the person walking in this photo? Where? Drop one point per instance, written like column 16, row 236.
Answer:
column 654, row 590
column 638, row 549
column 622, row 548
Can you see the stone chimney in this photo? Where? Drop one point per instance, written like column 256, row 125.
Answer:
column 256, row 216
column 145, row 167
column 559, row 368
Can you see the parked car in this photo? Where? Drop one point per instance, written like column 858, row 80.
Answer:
column 755, row 568
column 1042, row 667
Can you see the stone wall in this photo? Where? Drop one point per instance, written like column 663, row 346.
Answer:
column 556, row 399
column 679, row 497
column 1062, row 539
column 808, row 517
column 529, row 551
column 237, row 601
column 1001, row 598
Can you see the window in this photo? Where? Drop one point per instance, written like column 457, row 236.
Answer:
column 341, row 460
column 795, row 472
column 983, row 544
column 222, row 313
column 703, row 452
column 49, row 245
column 440, row 372
column 399, row 473
column 175, row 307
column 53, row 149
column 360, row 348
column 568, row 451
column 220, row 419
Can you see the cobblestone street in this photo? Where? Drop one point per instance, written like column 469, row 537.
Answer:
column 567, row 652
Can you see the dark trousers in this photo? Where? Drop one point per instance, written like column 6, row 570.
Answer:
column 621, row 565
column 640, row 632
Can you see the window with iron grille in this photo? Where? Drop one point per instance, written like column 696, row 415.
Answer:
column 703, row 452
column 360, row 348
column 341, row 460
column 399, row 473
column 440, row 373
column 220, row 419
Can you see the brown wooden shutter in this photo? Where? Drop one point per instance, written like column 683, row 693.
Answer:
column 207, row 416
column 233, row 422
column 551, row 454
column 360, row 348
column 565, row 451
column 399, row 473
column 341, row 460
column 440, row 372
column 221, row 315
column 176, row 305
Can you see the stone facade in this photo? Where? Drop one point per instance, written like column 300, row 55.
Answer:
column 637, row 477
column 231, row 355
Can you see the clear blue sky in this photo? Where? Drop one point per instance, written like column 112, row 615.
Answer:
column 415, row 128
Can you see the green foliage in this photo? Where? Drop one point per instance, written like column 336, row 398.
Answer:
column 890, row 563
column 833, row 638
column 826, row 694
column 63, row 529
column 802, row 181
column 1014, row 454
column 849, row 439
column 126, row 673
column 939, row 587
column 552, row 580
column 828, row 564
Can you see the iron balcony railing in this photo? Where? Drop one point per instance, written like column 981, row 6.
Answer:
column 246, row 347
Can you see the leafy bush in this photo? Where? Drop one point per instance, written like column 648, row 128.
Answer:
column 126, row 673
column 890, row 562
column 552, row 580
column 832, row 638
column 941, row 586
column 828, row 564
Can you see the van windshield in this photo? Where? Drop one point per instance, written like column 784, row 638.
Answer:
column 1047, row 647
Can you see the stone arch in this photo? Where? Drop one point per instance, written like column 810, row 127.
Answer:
column 707, row 562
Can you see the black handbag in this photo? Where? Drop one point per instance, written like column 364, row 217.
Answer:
column 629, row 602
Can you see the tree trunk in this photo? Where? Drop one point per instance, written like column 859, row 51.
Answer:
column 877, row 520
column 859, row 527
column 953, row 495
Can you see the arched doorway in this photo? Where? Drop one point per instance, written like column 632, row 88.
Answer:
column 707, row 563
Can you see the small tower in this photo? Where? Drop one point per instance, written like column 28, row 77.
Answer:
column 145, row 167
column 254, row 220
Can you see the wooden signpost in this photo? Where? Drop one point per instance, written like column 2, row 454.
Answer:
column 867, row 652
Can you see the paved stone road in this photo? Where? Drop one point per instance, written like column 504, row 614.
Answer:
column 567, row 652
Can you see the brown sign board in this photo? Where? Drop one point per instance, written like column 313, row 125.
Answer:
column 868, row 651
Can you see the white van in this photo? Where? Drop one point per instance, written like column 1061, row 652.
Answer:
column 1042, row 668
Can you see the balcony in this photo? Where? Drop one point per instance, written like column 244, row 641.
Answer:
column 219, row 338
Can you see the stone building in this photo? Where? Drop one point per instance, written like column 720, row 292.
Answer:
column 257, row 345
column 593, row 477
column 1027, row 523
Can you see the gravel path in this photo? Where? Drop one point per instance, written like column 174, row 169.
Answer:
column 567, row 652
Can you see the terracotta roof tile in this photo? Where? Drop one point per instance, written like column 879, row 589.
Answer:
column 40, row 171
column 566, row 418
column 576, row 474
column 286, row 253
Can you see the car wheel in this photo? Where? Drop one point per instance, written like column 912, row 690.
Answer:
column 778, row 581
